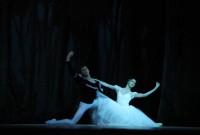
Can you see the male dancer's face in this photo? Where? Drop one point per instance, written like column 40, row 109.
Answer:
column 85, row 71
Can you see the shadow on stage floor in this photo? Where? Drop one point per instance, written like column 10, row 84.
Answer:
column 41, row 129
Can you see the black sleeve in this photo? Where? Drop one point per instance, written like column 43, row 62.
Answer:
column 71, row 69
column 75, row 75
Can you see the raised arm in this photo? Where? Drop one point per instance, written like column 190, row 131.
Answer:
column 140, row 95
column 68, row 60
column 75, row 75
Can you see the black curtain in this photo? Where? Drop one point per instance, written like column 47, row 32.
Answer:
column 116, row 39
column 180, row 102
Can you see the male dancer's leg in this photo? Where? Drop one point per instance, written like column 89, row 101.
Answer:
column 83, row 107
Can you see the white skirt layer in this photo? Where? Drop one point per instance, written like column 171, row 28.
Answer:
column 109, row 112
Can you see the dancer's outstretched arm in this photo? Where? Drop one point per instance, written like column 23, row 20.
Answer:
column 112, row 87
column 140, row 95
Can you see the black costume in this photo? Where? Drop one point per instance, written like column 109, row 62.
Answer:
column 87, row 88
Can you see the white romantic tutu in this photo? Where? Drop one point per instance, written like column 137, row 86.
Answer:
column 109, row 112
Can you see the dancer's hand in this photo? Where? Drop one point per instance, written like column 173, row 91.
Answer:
column 157, row 84
column 69, row 55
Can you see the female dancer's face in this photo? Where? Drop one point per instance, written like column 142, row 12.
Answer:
column 131, row 83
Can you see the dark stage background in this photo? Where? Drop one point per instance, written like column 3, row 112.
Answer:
column 118, row 39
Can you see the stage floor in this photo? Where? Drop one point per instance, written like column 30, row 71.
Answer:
column 76, row 129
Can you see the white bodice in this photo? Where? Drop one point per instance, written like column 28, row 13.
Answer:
column 123, row 99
